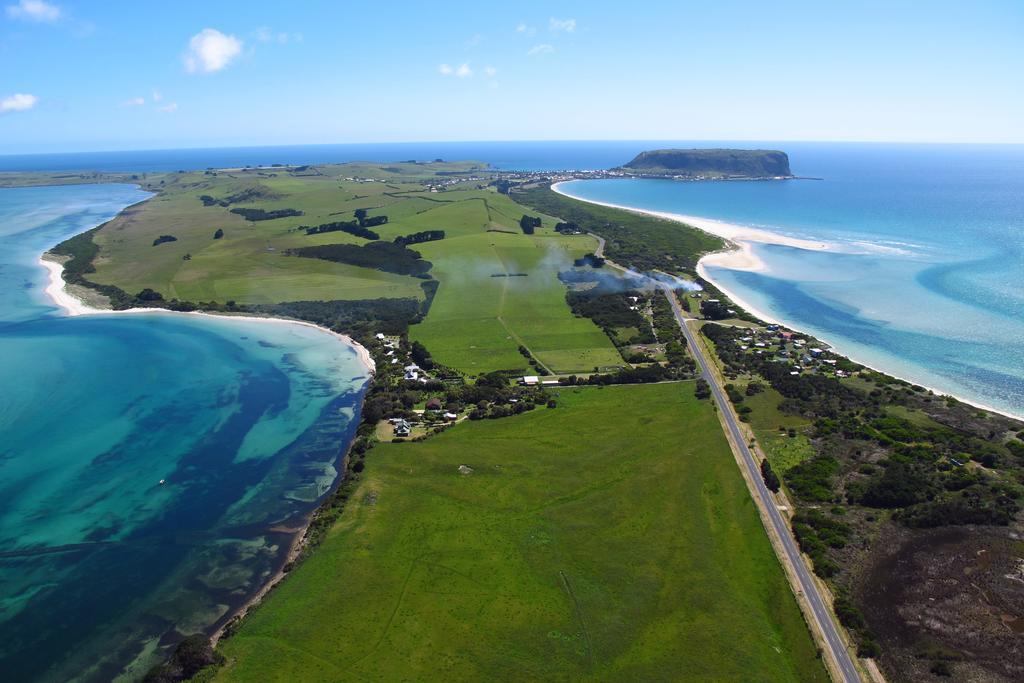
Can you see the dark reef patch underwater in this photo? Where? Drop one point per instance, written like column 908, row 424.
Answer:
column 245, row 421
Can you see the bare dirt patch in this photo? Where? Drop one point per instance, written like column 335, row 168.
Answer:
column 953, row 595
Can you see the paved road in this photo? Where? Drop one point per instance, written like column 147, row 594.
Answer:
column 820, row 608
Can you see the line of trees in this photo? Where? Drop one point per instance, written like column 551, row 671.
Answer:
column 386, row 256
column 351, row 227
column 420, row 237
column 264, row 215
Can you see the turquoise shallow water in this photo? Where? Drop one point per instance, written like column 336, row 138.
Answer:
column 925, row 278
column 244, row 420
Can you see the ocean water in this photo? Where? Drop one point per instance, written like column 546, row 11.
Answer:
column 526, row 156
column 100, row 565
column 925, row 278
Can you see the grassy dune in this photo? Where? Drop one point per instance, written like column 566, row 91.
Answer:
column 611, row 538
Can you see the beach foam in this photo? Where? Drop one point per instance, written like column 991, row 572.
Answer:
column 742, row 256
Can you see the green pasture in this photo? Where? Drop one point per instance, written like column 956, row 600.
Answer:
column 611, row 538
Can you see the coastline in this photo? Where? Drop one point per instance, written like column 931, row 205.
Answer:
column 72, row 306
column 740, row 256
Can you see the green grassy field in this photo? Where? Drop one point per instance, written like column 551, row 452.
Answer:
column 610, row 538
column 783, row 451
column 476, row 323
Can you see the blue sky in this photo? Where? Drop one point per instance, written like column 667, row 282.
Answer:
column 135, row 75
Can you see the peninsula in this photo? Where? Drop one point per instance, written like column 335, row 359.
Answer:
column 707, row 164
column 495, row 309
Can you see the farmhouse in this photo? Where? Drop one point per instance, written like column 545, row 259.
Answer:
column 402, row 428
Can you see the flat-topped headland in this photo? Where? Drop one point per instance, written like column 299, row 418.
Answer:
column 710, row 164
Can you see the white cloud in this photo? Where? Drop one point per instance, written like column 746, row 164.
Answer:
column 542, row 49
column 490, row 71
column 526, row 30
column 462, row 70
column 18, row 102
column 567, row 25
column 157, row 95
column 210, row 50
column 168, row 108
column 134, row 102
column 34, row 10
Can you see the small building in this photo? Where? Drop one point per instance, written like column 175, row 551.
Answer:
column 450, row 416
column 434, row 404
column 402, row 428
column 550, row 382
column 530, row 380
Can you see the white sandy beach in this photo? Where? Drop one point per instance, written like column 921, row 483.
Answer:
column 742, row 257
column 73, row 306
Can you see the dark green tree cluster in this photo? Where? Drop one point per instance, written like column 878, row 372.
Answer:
column 351, row 227
column 420, row 237
column 386, row 256
column 816, row 532
column 610, row 311
column 419, row 354
column 812, row 479
column 264, row 215
column 529, row 224
column 591, row 260
column 702, row 390
column 771, row 480
column 163, row 239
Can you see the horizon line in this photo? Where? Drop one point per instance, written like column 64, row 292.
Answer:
column 520, row 141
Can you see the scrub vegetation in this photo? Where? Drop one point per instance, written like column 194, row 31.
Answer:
column 907, row 503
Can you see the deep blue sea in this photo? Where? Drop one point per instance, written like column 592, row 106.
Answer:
column 99, row 563
column 925, row 279
column 527, row 156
